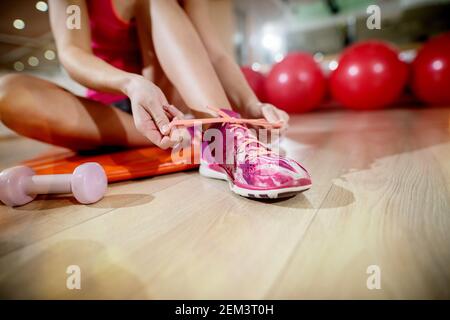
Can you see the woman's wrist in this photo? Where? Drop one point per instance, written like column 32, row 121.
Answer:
column 126, row 84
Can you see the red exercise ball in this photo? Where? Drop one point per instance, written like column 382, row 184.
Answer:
column 256, row 80
column 431, row 71
column 296, row 84
column 369, row 76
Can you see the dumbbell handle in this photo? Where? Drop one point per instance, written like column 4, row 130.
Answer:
column 44, row 184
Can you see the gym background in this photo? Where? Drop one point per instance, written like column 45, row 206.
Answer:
column 259, row 33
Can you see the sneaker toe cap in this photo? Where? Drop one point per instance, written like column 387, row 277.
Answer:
column 270, row 176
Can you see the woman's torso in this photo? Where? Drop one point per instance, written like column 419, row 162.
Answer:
column 114, row 40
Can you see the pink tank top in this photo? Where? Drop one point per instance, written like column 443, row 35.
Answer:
column 115, row 41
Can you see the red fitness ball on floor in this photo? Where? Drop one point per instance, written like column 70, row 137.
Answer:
column 296, row 84
column 256, row 80
column 431, row 71
column 369, row 75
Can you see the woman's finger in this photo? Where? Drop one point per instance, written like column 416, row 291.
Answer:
column 147, row 127
column 165, row 143
column 284, row 118
column 175, row 135
column 174, row 111
column 180, row 136
column 283, row 115
column 160, row 118
column 269, row 114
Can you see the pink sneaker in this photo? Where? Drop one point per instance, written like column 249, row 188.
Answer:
column 254, row 170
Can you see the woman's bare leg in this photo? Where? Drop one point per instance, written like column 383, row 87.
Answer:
column 41, row 110
column 184, row 58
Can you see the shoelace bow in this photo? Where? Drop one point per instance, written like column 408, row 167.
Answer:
column 236, row 123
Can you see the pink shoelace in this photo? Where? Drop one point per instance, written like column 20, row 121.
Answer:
column 224, row 118
column 257, row 149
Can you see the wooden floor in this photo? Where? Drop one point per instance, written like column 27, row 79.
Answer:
column 381, row 196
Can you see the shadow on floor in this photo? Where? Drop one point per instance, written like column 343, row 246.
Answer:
column 338, row 197
column 297, row 201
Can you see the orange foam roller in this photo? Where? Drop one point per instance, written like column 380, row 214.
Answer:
column 119, row 166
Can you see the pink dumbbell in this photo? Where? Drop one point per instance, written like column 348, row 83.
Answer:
column 20, row 185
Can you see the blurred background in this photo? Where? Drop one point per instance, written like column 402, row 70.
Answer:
column 257, row 32
column 267, row 29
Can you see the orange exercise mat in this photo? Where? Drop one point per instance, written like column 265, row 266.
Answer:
column 119, row 165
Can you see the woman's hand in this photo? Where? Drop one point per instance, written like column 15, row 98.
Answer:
column 269, row 112
column 152, row 113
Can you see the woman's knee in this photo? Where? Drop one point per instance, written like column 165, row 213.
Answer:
column 15, row 92
column 12, row 88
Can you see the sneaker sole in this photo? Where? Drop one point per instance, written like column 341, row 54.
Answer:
column 250, row 193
